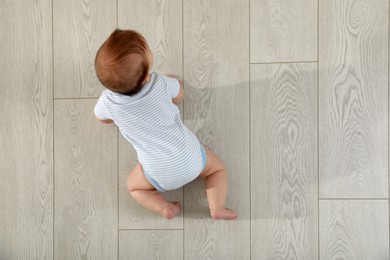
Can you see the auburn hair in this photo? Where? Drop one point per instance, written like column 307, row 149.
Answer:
column 121, row 62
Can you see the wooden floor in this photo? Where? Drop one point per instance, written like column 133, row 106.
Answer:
column 292, row 95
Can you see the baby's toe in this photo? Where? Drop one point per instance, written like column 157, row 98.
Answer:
column 171, row 210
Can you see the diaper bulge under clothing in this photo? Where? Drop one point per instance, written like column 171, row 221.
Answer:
column 170, row 154
column 161, row 189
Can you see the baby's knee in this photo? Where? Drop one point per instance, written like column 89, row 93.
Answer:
column 220, row 167
column 129, row 185
column 132, row 190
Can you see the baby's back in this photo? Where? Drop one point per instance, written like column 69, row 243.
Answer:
column 167, row 150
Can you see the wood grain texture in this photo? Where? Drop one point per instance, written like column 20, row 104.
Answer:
column 216, row 106
column 284, row 178
column 148, row 244
column 160, row 22
column 353, row 96
column 354, row 229
column 79, row 29
column 283, row 30
column 26, row 130
column 131, row 214
column 86, row 176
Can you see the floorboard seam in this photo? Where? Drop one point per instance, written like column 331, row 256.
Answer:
column 117, row 165
column 68, row 98
column 354, row 199
column 388, row 116
column 52, row 72
column 250, row 137
column 182, row 77
column 149, row 229
column 284, row 62
column 117, row 152
column 318, row 129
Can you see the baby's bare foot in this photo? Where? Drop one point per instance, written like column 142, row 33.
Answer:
column 171, row 210
column 223, row 213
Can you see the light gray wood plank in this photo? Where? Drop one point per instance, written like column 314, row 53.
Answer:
column 284, row 173
column 79, row 29
column 86, row 176
column 151, row 244
column 353, row 99
column 132, row 215
column 160, row 22
column 216, row 106
column 354, row 229
column 283, row 30
column 26, row 130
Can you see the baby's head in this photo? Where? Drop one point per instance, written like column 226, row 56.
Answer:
column 123, row 62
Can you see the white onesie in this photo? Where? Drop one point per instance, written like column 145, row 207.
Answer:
column 170, row 154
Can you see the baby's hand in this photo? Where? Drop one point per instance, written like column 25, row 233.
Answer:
column 171, row 75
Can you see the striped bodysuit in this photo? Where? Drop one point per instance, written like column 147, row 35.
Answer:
column 170, row 154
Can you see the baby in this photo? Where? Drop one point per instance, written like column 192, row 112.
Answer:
column 143, row 106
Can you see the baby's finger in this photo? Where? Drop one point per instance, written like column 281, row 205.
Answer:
column 171, row 75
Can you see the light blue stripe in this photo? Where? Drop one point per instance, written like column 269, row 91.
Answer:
column 154, row 183
column 204, row 156
column 168, row 151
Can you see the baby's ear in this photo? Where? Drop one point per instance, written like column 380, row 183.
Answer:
column 146, row 79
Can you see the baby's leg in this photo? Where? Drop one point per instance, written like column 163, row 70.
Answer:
column 144, row 192
column 216, row 187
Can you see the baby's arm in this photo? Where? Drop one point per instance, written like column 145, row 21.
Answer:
column 180, row 96
column 107, row 121
column 101, row 112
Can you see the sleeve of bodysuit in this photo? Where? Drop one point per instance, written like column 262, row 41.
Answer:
column 173, row 85
column 101, row 110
